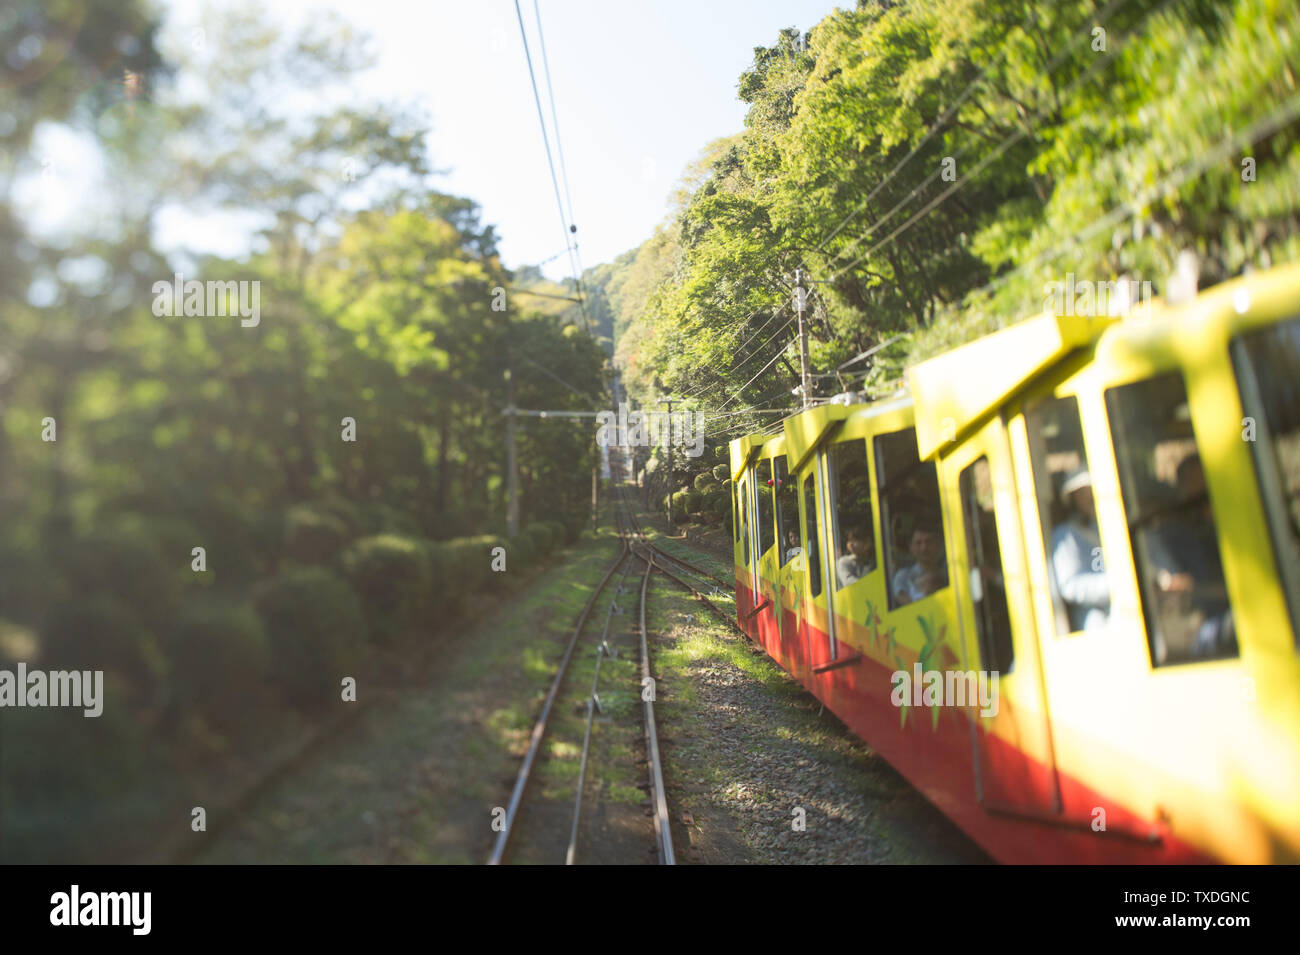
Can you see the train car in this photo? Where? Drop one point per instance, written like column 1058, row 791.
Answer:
column 1056, row 582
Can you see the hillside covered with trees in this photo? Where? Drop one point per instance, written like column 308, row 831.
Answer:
column 227, row 512
column 932, row 166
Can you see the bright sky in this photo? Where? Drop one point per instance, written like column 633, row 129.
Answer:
column 641, row 86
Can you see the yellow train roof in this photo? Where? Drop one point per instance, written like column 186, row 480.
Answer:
column 956, row 389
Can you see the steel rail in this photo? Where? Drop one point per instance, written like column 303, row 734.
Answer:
column 699, row 572
column 663, row 830
column 539, row 729
column 571, row 855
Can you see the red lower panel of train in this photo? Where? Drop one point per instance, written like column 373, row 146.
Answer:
column 932, row 748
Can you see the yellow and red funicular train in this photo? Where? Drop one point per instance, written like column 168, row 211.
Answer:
column 1056, row 584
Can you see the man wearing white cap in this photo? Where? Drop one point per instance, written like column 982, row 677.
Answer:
column 1076, row 557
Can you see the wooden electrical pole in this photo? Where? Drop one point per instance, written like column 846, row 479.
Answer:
column 669, row 402
column 512, row 464
column 803, row 336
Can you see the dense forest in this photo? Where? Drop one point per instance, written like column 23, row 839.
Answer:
column 932, row 166
column 228, row 515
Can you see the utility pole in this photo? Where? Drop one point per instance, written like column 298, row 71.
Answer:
column 672, row 524
column 595, row 464
column 512, row 475
column 799, row 293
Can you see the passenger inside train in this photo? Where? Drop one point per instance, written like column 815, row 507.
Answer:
column 792, row 548
column 860, row 559
column 929, row 570
column 1175, row 542
column 1077, row 561
column 1185, row 555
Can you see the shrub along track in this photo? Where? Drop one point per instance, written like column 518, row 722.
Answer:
column 415, row 778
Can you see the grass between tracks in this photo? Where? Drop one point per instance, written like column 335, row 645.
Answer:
column 416, row 779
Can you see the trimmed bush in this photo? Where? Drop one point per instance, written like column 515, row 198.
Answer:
column 314, row 537
column 560, row 534
column 443, row 576
column 717, row 502
column 217, row 652
column 722, row 473
column 693, row 501
column 27, row 587
column 343, row 509
column 391, row 576
column 703, row 482
column 541, row 538
column 60, row 766
column 521, row 550
column 467, row 563
column 380, row 518
column 316, row 631
column 101, row 632
column 121, row 560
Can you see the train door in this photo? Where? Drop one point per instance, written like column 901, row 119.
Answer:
column 766, row 559
column 740, row 519
column 790, row 573
column 1015, row 768
column 818, row 613
column 852, row 540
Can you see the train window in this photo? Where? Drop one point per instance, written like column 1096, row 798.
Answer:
column 763, row 488
column 735, row 509
column 1268, row 372
column 852, row 515
column 1171, row 523
column 742, row 502
column 787, row 513
column 1076, row 566
column 988, row 587
column 911, row 520
column 812, row 541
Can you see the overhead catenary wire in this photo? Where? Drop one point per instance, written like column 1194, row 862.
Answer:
column 755, row 378
column 555, row 120
column 1006, row 143
column 1284, row 115
column 1288, row 112
column 547, row 371
column 564, row 172
column 550, row 162
column 947, row 115
column 700, row 389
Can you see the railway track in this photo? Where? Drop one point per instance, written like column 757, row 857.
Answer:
column 662, row 559
column 628, row 558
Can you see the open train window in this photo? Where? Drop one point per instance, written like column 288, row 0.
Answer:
column 735, row 509
column 1268, row 373
column 763, row 488
column 988, row 586
column 1076, row 566
column 1171, row 522
column 742, row 503
column 911, row 520
column 853, row 517
column 787, row 512
column 812, row 540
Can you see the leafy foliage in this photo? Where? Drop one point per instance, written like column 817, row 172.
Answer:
column 930, row 165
